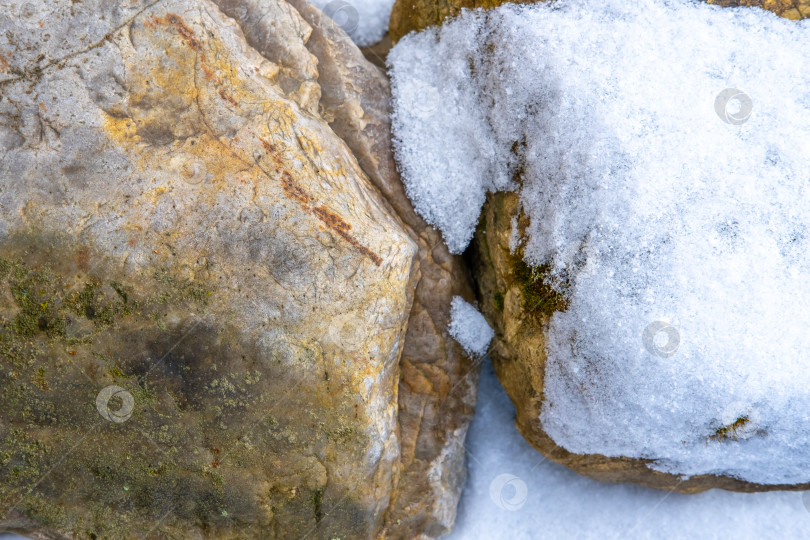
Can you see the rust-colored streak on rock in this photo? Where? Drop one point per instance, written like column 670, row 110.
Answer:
column 156, row 266
column 4, row 65
column 226, row 96
column 272, row 151
column 208, row 73
column 293, row 190
column 329, row 218
column 267, row 146
column 190, row 38
column 151, row 22
column 185, row 32
column 336, row 223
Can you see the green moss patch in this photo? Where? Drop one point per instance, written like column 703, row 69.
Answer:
column 538, row 296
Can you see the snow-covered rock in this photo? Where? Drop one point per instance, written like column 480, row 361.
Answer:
column 659, row 150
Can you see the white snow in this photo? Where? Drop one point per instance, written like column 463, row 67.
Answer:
column 366, row 21
column 469, row 327
column 447, row 152
column 551, row 502
column 662, row 148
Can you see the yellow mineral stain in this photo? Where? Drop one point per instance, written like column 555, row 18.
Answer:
column 165, row 115
column 309, row 145
column 120, row 129
column 167, row 126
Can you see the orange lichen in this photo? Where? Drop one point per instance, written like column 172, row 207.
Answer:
column 308, row 145
column 120, row 129
column 209, row 75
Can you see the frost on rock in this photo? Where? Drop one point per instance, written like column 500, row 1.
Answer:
column 469, row 327
column 443, row 138
column 672, row 212
column 366, row 21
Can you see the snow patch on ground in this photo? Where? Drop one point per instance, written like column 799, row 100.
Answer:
column 469, row 327
column 558, row 504
column 661, row 149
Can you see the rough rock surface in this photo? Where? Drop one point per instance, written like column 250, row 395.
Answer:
column 178, row 221
column 416, row 15
column 259, row 284
column 790, row 9
column 438, row 385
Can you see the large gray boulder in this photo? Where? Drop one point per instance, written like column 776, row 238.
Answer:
column 204, row 297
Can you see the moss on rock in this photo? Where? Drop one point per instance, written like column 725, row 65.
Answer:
column 194, row 453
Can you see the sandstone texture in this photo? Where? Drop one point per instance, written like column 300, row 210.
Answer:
column 210, row 283
column 438, row 385
column 416, row 15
